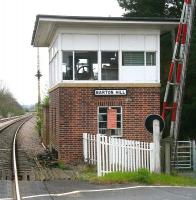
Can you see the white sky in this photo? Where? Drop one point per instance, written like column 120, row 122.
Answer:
column 18, row 58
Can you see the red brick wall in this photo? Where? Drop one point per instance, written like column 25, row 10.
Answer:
column 73, row 111
column 54, row 119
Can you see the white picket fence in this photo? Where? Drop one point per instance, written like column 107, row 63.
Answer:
column 114, row 154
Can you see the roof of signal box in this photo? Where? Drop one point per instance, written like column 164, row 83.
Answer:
column 46, row 25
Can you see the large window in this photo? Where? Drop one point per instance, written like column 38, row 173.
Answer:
column 139, row 58
column 109, row 65
column 86, row 65
column 103, row 118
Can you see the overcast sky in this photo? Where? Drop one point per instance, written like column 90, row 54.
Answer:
column 18, row 58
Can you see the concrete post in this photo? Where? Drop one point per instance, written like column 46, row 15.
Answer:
column 156, row 141
column 167, row 156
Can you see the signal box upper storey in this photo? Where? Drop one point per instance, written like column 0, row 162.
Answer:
column 101, row 49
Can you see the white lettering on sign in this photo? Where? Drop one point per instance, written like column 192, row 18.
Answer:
column 110, row 92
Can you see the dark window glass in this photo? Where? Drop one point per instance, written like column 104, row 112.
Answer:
column 109, row 65
column 86, row 65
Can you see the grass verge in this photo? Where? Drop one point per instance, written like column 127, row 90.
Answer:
column 143, row 176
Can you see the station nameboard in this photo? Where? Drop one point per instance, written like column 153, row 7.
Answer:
column 108, row 92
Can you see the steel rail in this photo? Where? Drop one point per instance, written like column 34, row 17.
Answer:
column 12, row 121
column 9, row 118
column 18, row 197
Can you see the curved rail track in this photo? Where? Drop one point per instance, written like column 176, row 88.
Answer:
column 14, row 163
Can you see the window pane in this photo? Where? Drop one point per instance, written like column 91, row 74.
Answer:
column 67, row 65
column 118, row 117
column 115, row 132
column 86, row 66
column 118, row 124
column 118, row 109
column 102, row 124
column 133, row 58
column 102, row 131
column 103, row 109
column 109, row 65
column 103, row 117
column 150, row 58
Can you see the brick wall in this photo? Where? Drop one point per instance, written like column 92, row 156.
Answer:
column 73, row 111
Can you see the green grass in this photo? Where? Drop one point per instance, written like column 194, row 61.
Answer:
column 142, row 176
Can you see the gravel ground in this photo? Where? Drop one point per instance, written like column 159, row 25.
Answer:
column 30, row 141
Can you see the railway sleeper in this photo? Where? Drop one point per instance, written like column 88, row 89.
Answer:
column 6, row 175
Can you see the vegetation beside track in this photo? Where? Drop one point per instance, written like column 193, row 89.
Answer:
column 142, row 176
column 39, row 109
column 8, row 104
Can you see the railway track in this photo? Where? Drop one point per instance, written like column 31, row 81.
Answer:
column 14, row 163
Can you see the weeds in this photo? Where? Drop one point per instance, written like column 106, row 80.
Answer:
column 143, row 176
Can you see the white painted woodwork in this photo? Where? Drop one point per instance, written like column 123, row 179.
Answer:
column 114, row 37
column 109, row 42
column 120, row 43
column 112, row 154
column 133, row 42
column 157, row 147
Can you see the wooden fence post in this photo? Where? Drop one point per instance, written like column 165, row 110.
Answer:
column 156, row 141
column 167, row 157
column 98, row 155
column 152, row 160
column 85, row 147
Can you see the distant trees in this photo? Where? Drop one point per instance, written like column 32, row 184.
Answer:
column 8, row 104
column 151, row 8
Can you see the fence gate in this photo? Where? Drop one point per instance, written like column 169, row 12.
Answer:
column 185, row 156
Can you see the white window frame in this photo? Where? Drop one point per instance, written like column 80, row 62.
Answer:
column 121, row 121
column 73, row 55
column 145, row 61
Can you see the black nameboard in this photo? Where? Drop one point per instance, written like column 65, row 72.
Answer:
column 110, row 92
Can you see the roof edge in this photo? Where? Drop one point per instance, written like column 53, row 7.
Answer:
column 152, row 19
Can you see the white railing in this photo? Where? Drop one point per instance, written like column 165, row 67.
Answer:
column 90, row 148
column 114, row 154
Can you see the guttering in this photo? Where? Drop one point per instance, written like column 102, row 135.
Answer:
column 103, row 20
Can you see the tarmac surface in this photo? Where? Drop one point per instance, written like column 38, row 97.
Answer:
column 67, row 189
column 5, row 189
